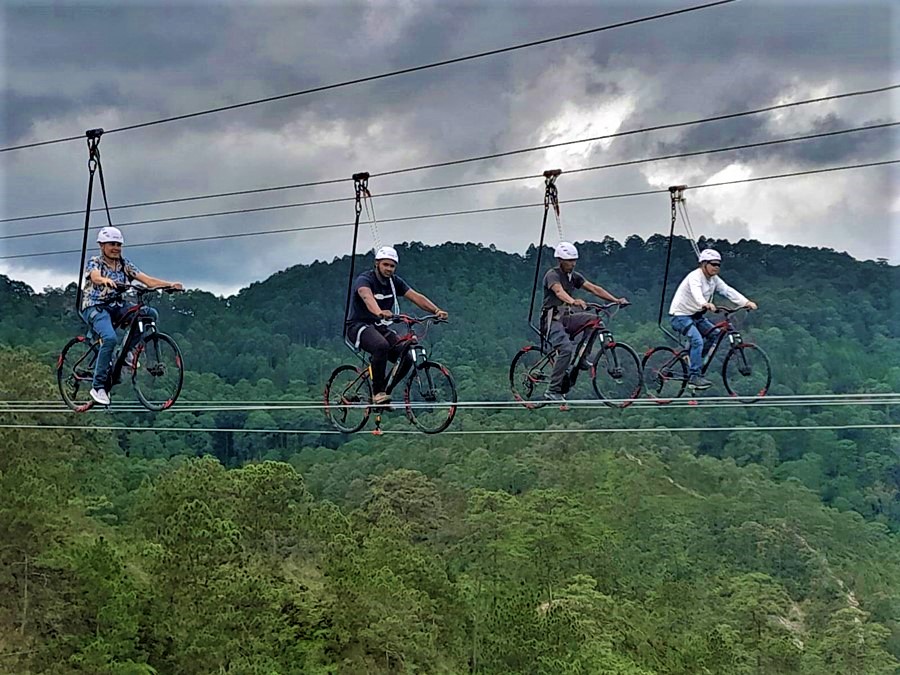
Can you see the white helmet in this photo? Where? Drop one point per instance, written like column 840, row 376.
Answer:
column 387, row 253
column 110, row 234
column 566, row 251
column 710, row 255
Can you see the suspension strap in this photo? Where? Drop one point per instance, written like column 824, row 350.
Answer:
column 551, row 194
column 551, row 197
column 369, row 205
column 686, row 221
column 676, row 196
column 94, row 165
column 361, row 190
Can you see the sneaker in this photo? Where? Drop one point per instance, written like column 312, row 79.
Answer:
column 699, row 382
column 129, row 360
column 100, row 396
column 554, row 396
column 381, row 398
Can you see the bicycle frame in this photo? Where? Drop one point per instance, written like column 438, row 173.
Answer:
column 726, row 331
column 589, row 333
column 137, row 325
column 409, row 341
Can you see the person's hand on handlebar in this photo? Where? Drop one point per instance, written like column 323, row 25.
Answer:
column 710, row 306
column 578, row 302
column 441, row 314
column 386, row 314
column 751, row 305
column 622, row 301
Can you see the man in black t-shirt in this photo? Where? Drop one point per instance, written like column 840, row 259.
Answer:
column 376, row 297
column 558, row 322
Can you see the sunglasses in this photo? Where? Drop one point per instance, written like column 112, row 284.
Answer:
column 113, row 243
column 714, row 264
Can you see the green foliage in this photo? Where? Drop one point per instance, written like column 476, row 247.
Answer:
column 724, row 553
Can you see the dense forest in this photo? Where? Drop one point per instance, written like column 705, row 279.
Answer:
column 633, row 548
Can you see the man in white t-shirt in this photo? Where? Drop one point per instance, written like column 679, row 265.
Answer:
column 692, row 299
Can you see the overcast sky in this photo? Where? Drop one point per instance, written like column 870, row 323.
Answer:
column 74, row 66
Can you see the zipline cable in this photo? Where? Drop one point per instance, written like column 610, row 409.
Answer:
column 680, row 155
column 643, row 404
column 472, row 432
column 494, row 209
column 381, row 76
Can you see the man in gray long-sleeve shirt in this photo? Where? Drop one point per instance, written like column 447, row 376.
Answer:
column 557, row 320
column 693, row 297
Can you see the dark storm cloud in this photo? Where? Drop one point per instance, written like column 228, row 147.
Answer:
column 68, row 67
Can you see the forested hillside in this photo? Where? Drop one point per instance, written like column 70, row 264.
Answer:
column 632, row 548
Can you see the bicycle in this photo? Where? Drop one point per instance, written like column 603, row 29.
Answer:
column 429, row 396
column 157, row 368
column 746, row 371
column 615, row 370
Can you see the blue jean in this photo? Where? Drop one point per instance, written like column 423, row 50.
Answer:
column 695, row 330
column 100, row 318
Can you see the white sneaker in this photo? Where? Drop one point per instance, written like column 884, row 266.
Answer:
column 100, row 396
column 129, row 360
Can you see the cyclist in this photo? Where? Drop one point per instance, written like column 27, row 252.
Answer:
column 376, row 295
column 101, row 306
column 558, row 321
column 693, row 297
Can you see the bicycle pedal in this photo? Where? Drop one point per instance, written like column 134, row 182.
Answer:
column 378, row 432
column 564, row 407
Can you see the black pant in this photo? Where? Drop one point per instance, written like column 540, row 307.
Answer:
column 383, row 344
column 560, row 329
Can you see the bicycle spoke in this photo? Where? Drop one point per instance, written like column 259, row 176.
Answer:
column 75, row 373
column 664, row 374
column 747, row 373
column 429, row 397
column 529, row 376
column 347, row 398
column 617, row 376
column 158, row 371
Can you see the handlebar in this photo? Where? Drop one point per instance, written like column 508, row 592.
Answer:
column 141, row 290
column 605, row 308
column 728, row 311
column 412, row 320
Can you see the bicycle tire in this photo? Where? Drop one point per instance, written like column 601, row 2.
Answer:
column 625, row 370
column 339, row 404
column 421, row 389
column 75, row 373
column 158, row 373
column 664, row 373
column 737, row 375
column 527, row 384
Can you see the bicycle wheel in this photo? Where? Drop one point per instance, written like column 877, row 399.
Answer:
column 75, row 373
column 529, row 375
column 746, row 372
column 347, row 397
column 616, row 375
column 430, row 397
column 665, row 374
column 158, row 371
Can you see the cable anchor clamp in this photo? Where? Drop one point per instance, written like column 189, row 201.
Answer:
column 361, row 187
column 676, row 192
